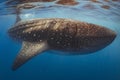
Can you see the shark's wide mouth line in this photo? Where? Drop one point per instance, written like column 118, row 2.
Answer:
column 60, row 34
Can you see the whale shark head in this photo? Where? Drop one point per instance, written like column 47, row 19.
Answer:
column 59, row 34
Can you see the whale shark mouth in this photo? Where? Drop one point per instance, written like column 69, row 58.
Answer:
column 60, row 34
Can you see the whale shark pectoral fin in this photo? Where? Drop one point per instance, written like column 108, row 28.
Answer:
column 28, row 51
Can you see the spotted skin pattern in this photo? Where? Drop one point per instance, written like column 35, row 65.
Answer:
column 59, row 34
column 64, row 34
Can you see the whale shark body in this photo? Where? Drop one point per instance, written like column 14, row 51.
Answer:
column 65, row 35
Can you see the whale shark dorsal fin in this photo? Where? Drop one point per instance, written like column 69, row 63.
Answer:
column 28, row 51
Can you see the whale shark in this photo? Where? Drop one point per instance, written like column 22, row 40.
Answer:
column 68, row 36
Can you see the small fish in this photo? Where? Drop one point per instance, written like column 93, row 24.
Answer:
column 64, row 35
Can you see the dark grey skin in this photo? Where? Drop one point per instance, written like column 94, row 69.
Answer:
column 64, row 35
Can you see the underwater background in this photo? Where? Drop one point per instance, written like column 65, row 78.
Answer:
column 100, row 65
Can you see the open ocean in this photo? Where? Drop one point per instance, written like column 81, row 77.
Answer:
column 101, row 65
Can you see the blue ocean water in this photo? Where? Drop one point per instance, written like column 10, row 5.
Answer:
column 2, row 0
column 101, row 65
